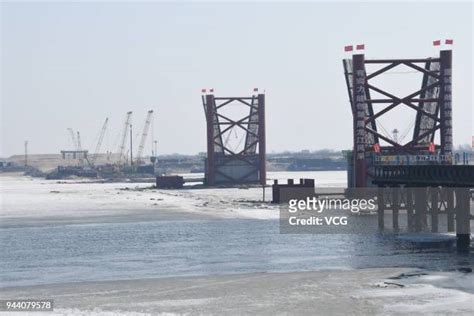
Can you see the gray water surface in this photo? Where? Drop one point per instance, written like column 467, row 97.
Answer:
column 155, row 249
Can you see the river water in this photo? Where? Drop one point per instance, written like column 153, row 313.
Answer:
column 69, row 252
column 136, row 250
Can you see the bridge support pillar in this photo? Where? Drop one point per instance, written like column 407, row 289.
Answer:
column 420, row 209
column 434, row 209
column 463, row 230
column 410, row 208
column 450, row 209
column 380, row 207
column 395, row 208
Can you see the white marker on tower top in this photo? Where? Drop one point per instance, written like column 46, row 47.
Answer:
column 348, row 51
column 439, row 44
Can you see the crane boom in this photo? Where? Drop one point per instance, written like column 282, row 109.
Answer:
column 79, row 145
column 79, row 148
column 76, row 142
column 123, row 141
column 99, row 142
column 73, row 138
column 146, row 127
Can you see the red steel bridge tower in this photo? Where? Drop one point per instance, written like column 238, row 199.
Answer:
column 430, row 102
column 225, row 164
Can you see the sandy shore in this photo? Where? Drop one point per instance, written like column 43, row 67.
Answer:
column 358, row 292
column 31, row 202
column 323, row 293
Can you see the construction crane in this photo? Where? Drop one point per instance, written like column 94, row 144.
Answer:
column 76, row 142
column 146, row 127
column 123, row 141
column 99, row 142
column 73, row 138
column 79, row 145
column 79, row 148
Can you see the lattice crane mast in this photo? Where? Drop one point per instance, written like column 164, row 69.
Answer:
column 146, row 127
column 123, row 140
column 73, row 138
column 99, row 142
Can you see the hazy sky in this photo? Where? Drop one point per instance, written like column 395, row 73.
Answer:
column 73, row 64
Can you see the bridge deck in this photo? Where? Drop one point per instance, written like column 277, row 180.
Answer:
column 430, row 175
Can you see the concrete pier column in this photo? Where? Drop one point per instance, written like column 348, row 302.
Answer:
column 450, row 208
column 420, row 209
column 463, row 229
column 395, row 208
column 380, row 207
column 410, row 209
column 434, row 209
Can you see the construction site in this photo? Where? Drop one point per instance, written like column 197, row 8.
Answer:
column 235, row 157
column 397, row 158
column 125, row 159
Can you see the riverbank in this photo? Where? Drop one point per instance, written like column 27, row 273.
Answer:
column 30, row 201
column 111, row 248
column 362, row 292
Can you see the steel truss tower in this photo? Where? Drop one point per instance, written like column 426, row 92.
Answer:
column 224, row 165
column 431, row 104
